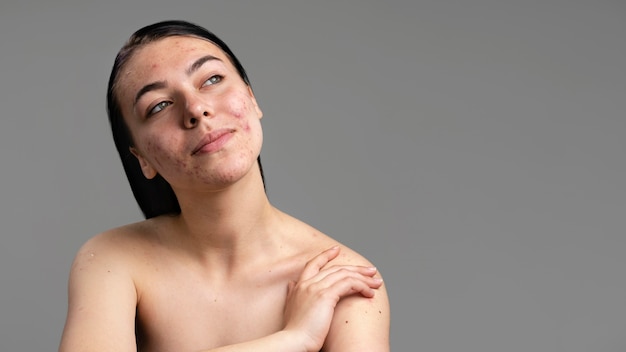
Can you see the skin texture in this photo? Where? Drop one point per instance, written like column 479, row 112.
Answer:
column 231, row 272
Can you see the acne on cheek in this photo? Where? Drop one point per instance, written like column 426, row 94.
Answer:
column 153, row 148
column 246, row 154
column 239, row 107
column 197, row 171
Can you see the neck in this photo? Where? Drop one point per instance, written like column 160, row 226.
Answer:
column 228, row 224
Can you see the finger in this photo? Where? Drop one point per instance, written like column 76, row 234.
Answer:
column 344, row 274
column 343, row 279
column 347, row 286
column 363, row 270
column 314, row 265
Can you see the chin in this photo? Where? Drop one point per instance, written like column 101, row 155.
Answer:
column 236, row 173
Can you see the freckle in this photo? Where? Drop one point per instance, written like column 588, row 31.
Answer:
column 346, row 322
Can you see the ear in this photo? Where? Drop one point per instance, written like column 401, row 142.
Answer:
column 256, row 105
column 148, row 171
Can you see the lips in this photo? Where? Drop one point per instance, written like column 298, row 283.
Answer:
column 213, row 141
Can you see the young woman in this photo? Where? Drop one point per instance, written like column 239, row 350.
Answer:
column 214, row 267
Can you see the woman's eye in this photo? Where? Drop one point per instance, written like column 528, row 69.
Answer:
column 158, row 107
column 212, row 80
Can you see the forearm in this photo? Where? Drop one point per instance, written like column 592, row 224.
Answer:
column 279, row 341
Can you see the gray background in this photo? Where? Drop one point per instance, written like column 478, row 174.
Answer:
column 473, row 150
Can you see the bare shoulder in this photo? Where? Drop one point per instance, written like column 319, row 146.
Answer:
column 313, row 242
column 111, row 256
column 120, row 236
column 359, row 323
column 116, row 255
column 114, row 246
column 102, row 292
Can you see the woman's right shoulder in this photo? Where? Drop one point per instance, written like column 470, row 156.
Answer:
column 116, row 244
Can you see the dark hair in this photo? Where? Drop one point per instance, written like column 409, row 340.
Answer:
column 154, row 196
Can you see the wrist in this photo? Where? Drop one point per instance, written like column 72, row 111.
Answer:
column 293, row 340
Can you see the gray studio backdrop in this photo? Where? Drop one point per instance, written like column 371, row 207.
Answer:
column 475, row 151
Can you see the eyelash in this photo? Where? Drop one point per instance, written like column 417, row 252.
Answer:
column 163, row 104
column 212, row 78
column 160, row 105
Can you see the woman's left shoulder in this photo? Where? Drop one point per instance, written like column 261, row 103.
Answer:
column 347, row 255
column 312, row 241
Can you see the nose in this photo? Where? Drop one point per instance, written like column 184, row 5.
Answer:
column 196, row 109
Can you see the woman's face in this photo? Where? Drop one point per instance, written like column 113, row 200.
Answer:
column 192, row 118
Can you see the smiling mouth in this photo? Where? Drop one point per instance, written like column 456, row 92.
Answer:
column 213, row 141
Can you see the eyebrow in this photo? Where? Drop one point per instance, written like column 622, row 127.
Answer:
column 148, row 87
column 198, row 63
column 162, row 84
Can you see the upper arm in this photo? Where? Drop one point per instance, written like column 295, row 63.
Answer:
column 102, row 301
column 360, row 324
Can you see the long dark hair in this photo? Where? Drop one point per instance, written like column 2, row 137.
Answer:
column 154, row 196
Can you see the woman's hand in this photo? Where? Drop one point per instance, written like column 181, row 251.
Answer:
column 311, row 301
